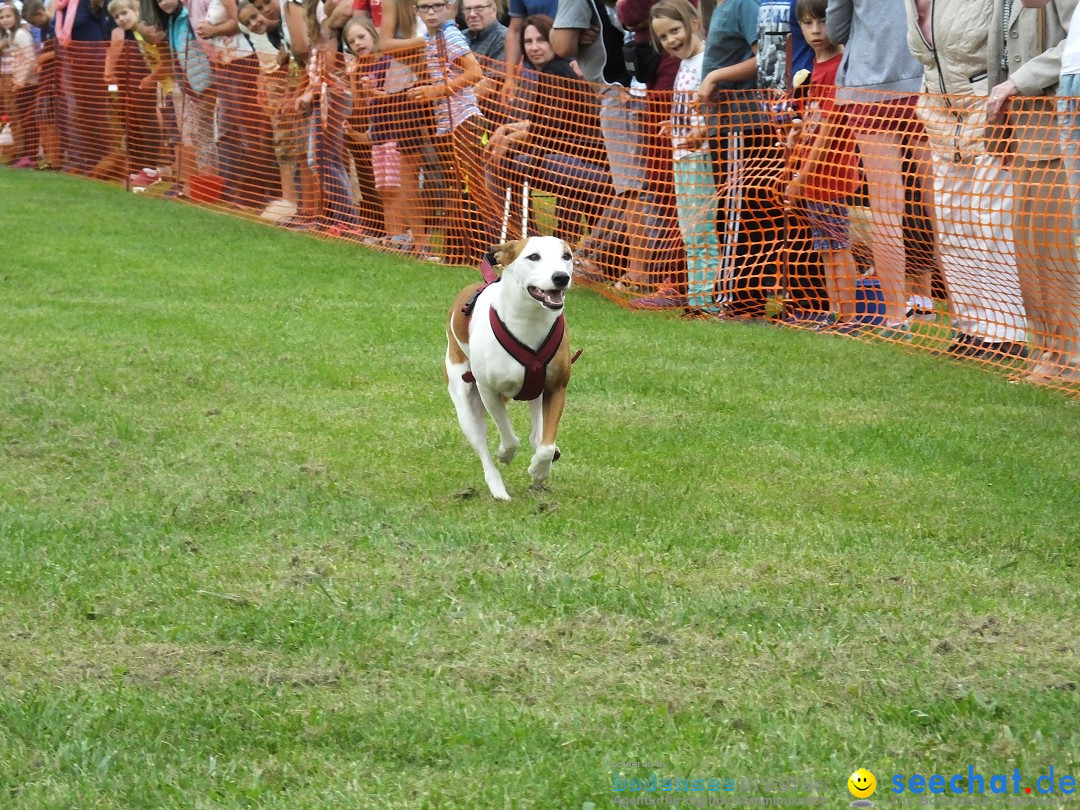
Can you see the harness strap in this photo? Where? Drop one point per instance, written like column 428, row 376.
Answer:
column 535, row 363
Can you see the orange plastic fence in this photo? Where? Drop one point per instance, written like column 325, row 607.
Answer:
column 910, row 220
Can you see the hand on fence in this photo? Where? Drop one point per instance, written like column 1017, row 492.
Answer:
column 999, row 98
column 426, row 92
column 693, row 140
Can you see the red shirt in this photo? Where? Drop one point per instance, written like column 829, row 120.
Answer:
column 836, row 175
column 372, row 7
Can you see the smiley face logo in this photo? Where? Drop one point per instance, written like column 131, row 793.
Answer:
column 862, row 784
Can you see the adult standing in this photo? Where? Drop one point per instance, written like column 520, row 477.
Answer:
column 1024, row 64
column 82, row 29
column 877, row 84
column 973, row 193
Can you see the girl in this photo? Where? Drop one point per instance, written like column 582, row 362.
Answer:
column 460, row 130
column 192, row 94
column 676, row 27
column 396, row 170
column 272, row 89
column 399, row 26
column 330, row 103
column 126, row 67
column 19, row 75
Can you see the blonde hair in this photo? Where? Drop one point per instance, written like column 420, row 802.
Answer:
column 362, row 21
column 678, row 10
column 406, row 16
column 116, row 5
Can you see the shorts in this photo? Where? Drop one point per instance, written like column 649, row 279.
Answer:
column 888, row 115
column 386, row 164
column 829, row 223
column 286, row 123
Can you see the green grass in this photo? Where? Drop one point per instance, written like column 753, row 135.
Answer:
column 247, row 558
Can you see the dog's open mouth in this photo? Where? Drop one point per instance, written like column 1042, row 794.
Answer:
column 552, row 299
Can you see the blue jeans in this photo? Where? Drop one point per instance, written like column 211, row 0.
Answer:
column 326, row 156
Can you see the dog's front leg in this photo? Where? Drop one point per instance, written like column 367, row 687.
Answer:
column 471, row 417
column 547, row 452
column 536, row 424
column 508, row 440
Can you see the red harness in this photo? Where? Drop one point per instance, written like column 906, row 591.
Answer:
column 535, row 362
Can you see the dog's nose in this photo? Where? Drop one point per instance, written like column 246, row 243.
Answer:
column 560, row 280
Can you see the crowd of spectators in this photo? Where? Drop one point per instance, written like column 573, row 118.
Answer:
column 683, row 156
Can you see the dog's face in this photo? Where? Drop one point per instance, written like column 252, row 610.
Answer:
column 540, row 265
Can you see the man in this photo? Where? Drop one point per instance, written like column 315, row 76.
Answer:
column 487, row 39
column 486, row 35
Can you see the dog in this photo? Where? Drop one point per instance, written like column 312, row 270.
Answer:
column 507, row 339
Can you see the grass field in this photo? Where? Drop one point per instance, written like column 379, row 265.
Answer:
column 248, row 560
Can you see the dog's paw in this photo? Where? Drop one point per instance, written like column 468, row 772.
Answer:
column 506, row 453
column 497, row 487
column 540, row 468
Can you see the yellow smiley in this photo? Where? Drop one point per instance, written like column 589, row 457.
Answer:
column 862, row 784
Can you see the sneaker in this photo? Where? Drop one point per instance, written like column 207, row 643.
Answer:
column 807, row 317
column 144, row 178
column 175, row 193
column 849, row 328
column 664, row 298
column 24, row 163
column 401, row 241
column 919, row 306
column 893, row 331
column 979, row 349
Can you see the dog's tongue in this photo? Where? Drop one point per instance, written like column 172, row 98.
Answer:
column 554, row 297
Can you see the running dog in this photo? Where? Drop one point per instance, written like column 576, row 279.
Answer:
column 506, row 339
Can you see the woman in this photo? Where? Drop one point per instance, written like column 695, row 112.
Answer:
column 557, row 146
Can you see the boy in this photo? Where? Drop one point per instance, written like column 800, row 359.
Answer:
column 125, row 69
column 825, row 172
column 37, row 16
column 274, row 89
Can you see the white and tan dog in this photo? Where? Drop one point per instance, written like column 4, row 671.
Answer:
column 508, row 340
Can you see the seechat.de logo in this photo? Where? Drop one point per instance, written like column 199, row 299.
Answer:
column 862, row 785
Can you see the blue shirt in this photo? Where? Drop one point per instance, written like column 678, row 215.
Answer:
column 526, row 8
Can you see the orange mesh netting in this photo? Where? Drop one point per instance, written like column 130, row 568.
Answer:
column 907, row 220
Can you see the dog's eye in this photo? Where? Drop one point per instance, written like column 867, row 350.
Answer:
column 534, row 257
column 567, row 257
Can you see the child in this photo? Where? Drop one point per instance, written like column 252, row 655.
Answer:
column 37, row 16
column 395, row 171
column 126, row 67
column 460, row 128
column 747, row 149
column 824, row 171
column 273, row 88
column 192, row 94
column 329, row 103
column 19, row 75
column 676, row 27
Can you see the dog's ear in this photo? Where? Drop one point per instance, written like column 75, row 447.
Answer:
column 507, row 252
